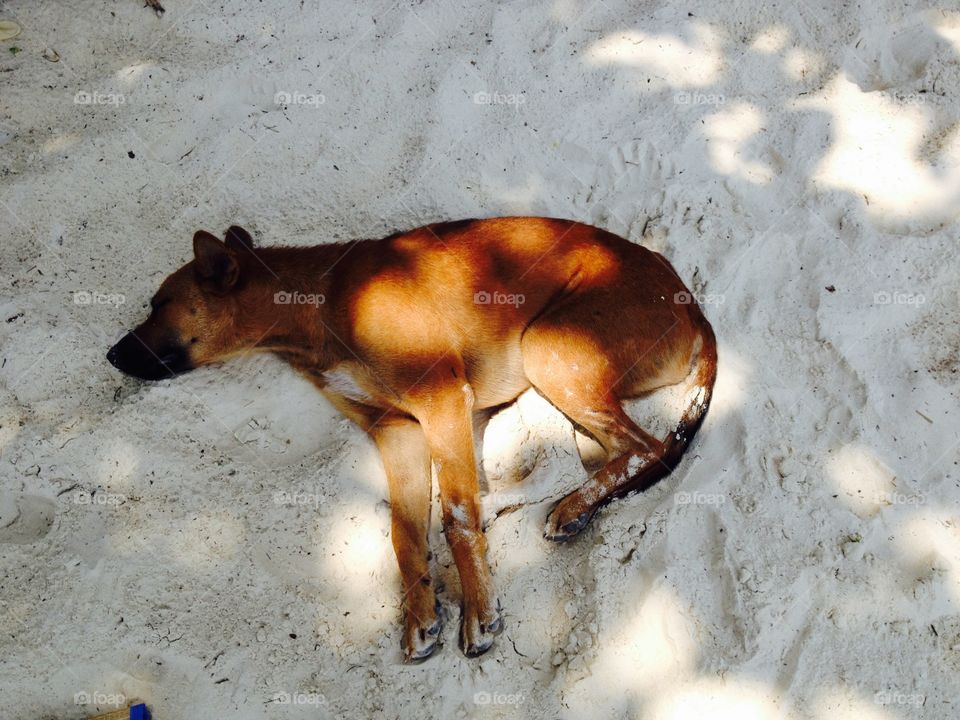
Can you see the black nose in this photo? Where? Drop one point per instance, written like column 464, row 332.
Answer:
column 134, row 357
column 126, row 352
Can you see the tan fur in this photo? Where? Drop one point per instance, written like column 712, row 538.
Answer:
column 404, row 344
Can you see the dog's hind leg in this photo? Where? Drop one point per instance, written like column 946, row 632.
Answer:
column 585, row 371
column 628, row 447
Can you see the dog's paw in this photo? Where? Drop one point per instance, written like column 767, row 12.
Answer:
column 478, row 630
column 566, row 520
column 421, row 638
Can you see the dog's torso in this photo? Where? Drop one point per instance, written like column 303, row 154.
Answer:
column 469, row 289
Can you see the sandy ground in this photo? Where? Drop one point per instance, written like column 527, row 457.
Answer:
column 218, row 545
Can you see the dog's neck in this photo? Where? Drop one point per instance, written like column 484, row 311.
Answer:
column 289, row 293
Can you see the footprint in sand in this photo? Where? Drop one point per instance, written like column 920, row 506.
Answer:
column 895, row 55
column 25, row 519
column 624, row 192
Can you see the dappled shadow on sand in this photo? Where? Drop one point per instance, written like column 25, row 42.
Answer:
column 656, row 611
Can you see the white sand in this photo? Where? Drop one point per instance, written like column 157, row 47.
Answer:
column 803, row 561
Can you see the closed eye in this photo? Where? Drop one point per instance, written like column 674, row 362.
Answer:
column 157, row 304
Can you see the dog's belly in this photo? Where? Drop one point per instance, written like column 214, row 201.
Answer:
column 497, row 376
column 346, row 379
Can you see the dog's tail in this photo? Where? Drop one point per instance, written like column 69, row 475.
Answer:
column 704, row 376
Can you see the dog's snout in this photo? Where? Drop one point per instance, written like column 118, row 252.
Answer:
column 125, row 352
column 133, row 356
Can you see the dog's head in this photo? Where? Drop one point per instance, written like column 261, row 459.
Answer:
column 193, row 315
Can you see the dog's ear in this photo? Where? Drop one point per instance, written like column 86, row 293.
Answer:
column 239, row 239
column 216, row 265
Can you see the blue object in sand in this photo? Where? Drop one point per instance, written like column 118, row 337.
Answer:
column 139, row 712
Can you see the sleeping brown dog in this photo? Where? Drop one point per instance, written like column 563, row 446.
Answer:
column 409, row 336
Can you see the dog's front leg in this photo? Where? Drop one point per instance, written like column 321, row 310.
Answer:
column 406, row 460
column 448, row 424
